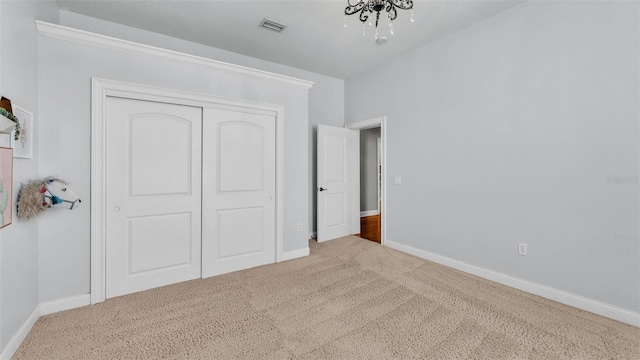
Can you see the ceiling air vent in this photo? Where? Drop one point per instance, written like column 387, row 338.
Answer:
column 272, row 25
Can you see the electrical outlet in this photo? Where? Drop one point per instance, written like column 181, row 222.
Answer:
column 299, row 227
column 522, row 249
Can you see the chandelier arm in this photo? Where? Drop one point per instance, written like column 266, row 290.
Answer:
column 366, row 12
column 364, row 15
column 370, row 6
column 391, row 9
column 366, row 8
column 388, row 6
column 352, row 9
column 403, row 4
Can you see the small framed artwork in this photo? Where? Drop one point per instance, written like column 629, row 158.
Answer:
column 23, row 146
column 6, row 186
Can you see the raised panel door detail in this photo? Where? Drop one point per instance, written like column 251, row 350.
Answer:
column 153, row 194
column 335, row 164
column 159, row 242
column 160, row 156
column 240, row 231
column 335, row 209
column 240, row 157
column 239, row 191
column 336, row 149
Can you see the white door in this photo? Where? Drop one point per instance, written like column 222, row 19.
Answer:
column 338, row 168
column 239, row 182
column 153, row 194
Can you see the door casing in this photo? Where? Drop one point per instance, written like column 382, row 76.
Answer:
column 380, row 122
column 100, row 90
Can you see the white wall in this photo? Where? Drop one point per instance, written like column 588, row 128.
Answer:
column 369, row 169
column 326, row 97
column 19, row 82
column 64, row 236
column 521, row 128
column 2, row 344
column 48, row 258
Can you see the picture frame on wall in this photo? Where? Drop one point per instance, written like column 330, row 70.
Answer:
column 23, row 147
column 6, row 186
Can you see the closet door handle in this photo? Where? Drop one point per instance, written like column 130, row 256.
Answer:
column 322, row 189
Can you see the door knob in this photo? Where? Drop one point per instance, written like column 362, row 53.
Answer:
column 322, row 189
column 269, row 198
column 116, row 208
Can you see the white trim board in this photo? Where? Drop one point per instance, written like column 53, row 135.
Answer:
column 20, row 335
column 42, row 309
column 369, row 213
column 73, row 302
column 107, row 42
column 295, row 254
column 100, row 90
column 561, row 296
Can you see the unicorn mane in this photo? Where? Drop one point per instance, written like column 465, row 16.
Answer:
column 31, row 199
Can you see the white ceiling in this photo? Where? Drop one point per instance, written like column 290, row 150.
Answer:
column 315, row 38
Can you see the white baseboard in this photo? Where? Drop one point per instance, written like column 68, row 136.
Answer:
column 65, row 304
column 561, row 296
column 43, row 309
column 290, row 255
column 368, row 213
column 20, row 335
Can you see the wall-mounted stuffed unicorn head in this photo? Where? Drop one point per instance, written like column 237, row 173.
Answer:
column 37, row 195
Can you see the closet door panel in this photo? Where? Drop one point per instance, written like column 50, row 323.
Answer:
column 239, row 180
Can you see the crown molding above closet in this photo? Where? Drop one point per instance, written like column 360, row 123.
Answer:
column 107, row 42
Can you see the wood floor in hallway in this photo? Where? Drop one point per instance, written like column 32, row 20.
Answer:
column 370, row 228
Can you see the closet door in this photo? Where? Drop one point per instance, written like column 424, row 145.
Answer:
column 153, row 194
column 239, row 179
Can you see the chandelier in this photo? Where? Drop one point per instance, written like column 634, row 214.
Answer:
column 368, row 7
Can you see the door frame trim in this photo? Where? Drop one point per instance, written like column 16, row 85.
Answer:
column 380, row 122
column 103, row 88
